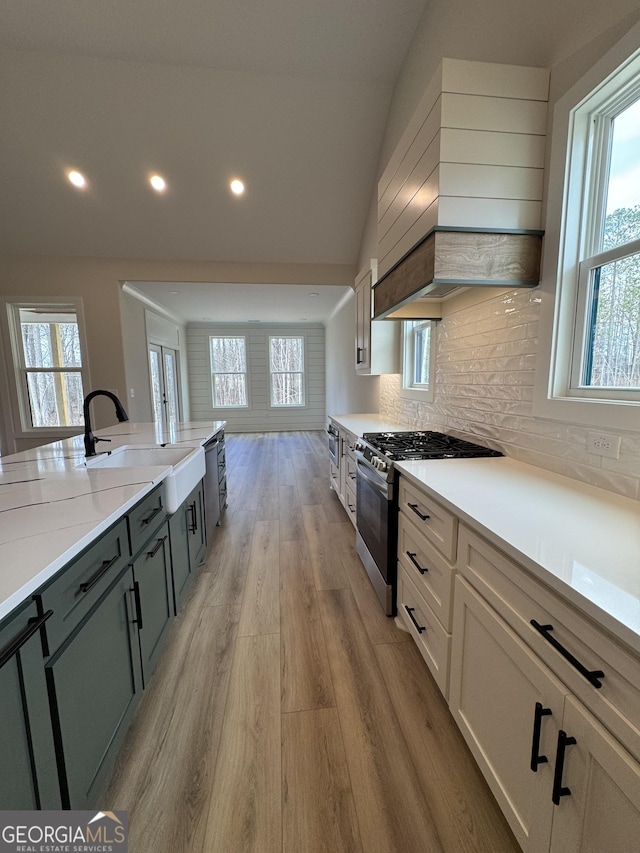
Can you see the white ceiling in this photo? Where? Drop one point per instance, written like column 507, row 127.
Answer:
column 197, row 302
column 290, row 95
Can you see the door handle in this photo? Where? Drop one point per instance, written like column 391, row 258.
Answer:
column 559, row 790
column 536, row 758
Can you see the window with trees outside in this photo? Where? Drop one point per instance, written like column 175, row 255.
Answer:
column 286, row 366
column 418, row 361
column 228, row 371
column 49, row 363
column 605, row 360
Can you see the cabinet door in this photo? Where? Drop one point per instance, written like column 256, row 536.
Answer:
column 94, row 683
column 179, row 539
column 600, row 807
column 196, row 528
column 496, row 683
column 29, row 779
column 363, row 322
column 154, row 598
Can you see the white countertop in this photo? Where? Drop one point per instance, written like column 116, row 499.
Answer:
column 359, row 424
column 52, row 506
column 582, row 541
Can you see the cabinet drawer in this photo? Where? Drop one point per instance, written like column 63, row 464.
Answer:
column 145, row 518
column 80, row 584
column 438, row 524
column 432, row 640
column 521, row 598
column 350, row 502
column 351, row 471
column 427, row 568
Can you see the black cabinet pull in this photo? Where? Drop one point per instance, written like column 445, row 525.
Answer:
column 412, row 557
column 358, row 359
column 93, row 580
column 419, row 628
column 136, row 594
column 414, row 507
column 33, row 626
column 193, row 527
column 558, row 789
column 157, row 547
column 152, row 515
column 592, row 676
column 536, row 758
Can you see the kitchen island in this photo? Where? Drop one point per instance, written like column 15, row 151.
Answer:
column 95, row 557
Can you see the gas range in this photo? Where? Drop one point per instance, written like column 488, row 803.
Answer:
column 381, row 449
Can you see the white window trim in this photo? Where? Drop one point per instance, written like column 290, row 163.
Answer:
column 305, row 390
column 14, row 355
column 564, row 235
column 212, row 373
column 424, row 393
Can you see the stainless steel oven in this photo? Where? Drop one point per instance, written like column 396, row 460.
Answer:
column 334, row 444
column 377, row 496
column 376, row 533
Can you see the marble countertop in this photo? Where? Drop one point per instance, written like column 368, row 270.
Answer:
column 52, row 506
column 582, row 541
column 359, row 424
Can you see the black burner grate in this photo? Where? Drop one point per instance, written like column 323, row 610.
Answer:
column 425, row 445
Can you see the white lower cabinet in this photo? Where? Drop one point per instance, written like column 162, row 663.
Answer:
column 563, row 782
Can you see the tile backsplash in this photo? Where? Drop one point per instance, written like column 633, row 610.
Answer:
column 485, row 371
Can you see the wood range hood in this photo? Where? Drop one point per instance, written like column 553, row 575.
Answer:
column 451, row 258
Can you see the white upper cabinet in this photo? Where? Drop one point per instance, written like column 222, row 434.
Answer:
column 377, row 342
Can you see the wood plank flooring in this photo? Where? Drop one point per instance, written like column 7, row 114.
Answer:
column 288, row 714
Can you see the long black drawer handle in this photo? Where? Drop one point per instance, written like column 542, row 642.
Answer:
column 104, row 568
column 412, row 557
column 33, row 626
column 153, row 514
column 419, row 628
column 558, row 789
column 136, row 594
column 414, row 507
column 592, row 675
column 193, row 527
column 536, row 758
column 158, row 545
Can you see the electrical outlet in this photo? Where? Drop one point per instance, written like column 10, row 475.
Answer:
column 602, row 444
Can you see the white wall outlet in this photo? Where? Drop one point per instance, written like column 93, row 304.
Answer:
column 602, row 444
column 132, row 392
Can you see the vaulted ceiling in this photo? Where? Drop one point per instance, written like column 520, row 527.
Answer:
column 290, row 95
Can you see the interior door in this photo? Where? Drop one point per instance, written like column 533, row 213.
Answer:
column 163, row 373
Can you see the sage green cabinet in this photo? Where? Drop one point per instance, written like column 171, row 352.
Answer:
column 153, row 591
column 95, row 681
column 29, row 778
column 188, row 542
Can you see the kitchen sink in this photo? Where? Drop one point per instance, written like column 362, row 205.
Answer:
column 187, row 466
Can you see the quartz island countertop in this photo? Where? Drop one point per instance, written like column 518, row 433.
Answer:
column 52, row 506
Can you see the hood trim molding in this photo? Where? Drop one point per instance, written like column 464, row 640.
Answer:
column 448, row 259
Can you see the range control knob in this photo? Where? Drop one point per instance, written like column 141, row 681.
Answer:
column 358, row 445
column 380, row 464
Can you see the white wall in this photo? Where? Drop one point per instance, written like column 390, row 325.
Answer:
column 347, row 392
column 258, row 416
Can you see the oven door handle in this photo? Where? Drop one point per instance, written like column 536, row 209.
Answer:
column 373, row 480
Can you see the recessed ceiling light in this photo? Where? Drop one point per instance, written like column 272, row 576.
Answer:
column 158, row 183
column 314, row 293
column 76, row 178
column 237, row 186
column 174, row 291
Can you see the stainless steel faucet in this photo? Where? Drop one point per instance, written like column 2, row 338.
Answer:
column 89, row 438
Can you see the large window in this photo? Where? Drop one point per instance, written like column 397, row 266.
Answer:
column 286, row 366
column 606, row 356
column 228, row 371
column 418, row 363
column 49, row 364
column 590, row 329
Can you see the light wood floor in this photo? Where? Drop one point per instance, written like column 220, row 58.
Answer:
column 288, row 714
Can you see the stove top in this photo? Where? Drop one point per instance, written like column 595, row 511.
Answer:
column 425, row 445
